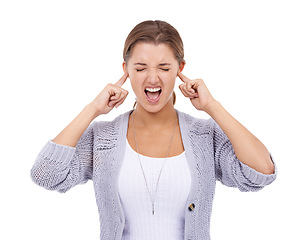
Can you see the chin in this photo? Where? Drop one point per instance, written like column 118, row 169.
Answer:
column 154, row 108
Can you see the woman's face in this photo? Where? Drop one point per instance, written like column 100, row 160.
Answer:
column 152, row 71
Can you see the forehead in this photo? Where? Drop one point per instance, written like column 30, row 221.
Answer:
column 151, row 53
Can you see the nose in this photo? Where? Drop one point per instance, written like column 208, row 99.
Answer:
column 153, row 77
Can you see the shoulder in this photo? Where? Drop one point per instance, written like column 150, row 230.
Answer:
column 195, row 125
column 112, row 126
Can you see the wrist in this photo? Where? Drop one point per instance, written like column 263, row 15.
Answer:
column 92, row 110
column 212, row 107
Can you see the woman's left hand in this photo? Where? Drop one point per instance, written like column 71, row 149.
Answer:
column 197, row 91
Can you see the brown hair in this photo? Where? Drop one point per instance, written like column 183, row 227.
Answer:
column 155, row 32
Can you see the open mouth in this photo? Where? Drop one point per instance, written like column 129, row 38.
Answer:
column 153, row 94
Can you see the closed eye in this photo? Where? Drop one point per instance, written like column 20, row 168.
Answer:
column 139, row 70
column 165, row 69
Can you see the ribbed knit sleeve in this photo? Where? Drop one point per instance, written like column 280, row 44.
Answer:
column 232, row 172
column 59, row 167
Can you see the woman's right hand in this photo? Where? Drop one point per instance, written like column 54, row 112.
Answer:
column 111, row 96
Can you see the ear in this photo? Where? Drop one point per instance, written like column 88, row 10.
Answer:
column 181, row 66
column 124, row 67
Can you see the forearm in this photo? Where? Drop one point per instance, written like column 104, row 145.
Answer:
column 247, row 147
column 70, row 135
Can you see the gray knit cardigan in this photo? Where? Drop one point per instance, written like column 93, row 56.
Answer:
column 99, row 153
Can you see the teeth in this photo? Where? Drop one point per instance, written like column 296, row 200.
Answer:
column 153, row 89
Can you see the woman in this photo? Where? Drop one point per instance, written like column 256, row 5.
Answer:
column 154, row 168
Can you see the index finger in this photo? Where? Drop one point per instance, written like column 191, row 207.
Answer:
column 121, row 81
column 183, row 77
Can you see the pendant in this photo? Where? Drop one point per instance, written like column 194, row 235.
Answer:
column 153, row 209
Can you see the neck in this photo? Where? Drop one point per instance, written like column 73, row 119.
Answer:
column 166, row 115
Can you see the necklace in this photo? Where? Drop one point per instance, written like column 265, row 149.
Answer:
column 152, row 200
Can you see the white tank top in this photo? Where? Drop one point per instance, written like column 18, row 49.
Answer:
column 168, row 221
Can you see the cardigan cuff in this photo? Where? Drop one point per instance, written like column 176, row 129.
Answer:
column 258, row 178
column 57, row 154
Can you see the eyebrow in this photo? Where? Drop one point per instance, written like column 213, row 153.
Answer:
column 164, row 64
column 143, row 64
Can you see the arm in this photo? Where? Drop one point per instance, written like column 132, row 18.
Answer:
column 71, row 134
column 112, row 96
column 248, row 149
column 67, row 160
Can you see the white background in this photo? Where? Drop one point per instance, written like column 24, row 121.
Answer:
column 56, row 56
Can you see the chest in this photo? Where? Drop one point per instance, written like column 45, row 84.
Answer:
column 166, row 183
column 157, row 143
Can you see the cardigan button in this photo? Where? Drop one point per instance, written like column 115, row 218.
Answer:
column 191, row 207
